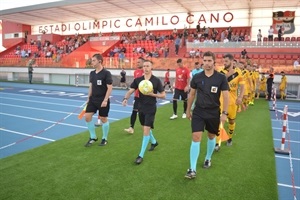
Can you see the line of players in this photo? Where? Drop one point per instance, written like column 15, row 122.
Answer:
column 242, row 78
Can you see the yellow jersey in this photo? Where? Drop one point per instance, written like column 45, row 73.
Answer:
column 283, row 83
column 234, row 81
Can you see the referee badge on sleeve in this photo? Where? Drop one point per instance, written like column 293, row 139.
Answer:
column 214, row 89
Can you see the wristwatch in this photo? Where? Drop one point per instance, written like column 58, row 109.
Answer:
column 225, row 113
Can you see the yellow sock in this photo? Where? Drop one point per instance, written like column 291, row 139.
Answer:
column 231, row 128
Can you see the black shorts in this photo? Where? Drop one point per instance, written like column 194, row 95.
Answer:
column 123, row 80
column 180, row 93
column 147, row 119
column 167, row 83
column 94, row 106
column 201, row 122
column 136, row 103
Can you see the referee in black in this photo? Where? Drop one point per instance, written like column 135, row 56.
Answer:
column 98, row 99
column 208, row 87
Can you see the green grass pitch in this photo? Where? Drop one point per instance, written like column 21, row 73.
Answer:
column 67, row 170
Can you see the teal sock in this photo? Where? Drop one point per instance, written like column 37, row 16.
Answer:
column 105, row 129
column 210, row 148
column 194, row 153
column 144, row 145
column 152, row 138
column 91, row 128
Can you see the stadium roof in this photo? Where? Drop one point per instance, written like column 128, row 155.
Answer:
column 62, row 11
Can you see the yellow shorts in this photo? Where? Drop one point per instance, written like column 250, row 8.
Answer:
column 232, row 110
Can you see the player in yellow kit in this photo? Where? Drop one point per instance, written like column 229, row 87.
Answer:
column 255, row 80
column 235, row 79
column 262, row 88
column 247, row 85
column 282, row 86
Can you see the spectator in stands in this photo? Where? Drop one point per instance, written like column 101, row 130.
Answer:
column 206, row 41
column 244, row 54
column 58, row 57
column 149, row 54
column 166, row 50
column 297, row 64
column 29, row 52
column 192, row 53
column 177, row 45
column 138, row 49
column 31, row 42
column 185, row 35
column 197, row 54
column 247, row 38
column 111, row 53
column 155, row 53
column 121, row 59
column 259, row 36
column 198, row 28
column 241, row 37
column 196, row 40
column 206, row 32
column 116, row 49
column 123, row 49
column 270, row 33
column 229, row 33
column 23, row 53
column 280, row 33
column 49, row 54
column 175, row 31
column 226, row 40
column 222, row 36
column 214, row 34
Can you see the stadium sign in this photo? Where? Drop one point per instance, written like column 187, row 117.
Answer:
column 157, row 22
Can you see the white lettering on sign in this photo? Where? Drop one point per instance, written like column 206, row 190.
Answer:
column 155, row 22
column 58, row 93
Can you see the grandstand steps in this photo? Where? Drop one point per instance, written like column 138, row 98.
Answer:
column 79, row 57
column 181, row 53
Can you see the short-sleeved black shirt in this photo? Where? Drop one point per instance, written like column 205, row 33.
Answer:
column 123, row 76
column 209, row 89
column 147, row 104
column 99, row 82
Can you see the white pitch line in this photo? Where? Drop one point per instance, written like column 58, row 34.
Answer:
column 19, row 133
column 276, row 156
column 289, row 121
column 290, row 186
column 292, row 141
column 47, row 110
column 45, row 102
column 42, row 120
column 296, row 130
column 4, row 147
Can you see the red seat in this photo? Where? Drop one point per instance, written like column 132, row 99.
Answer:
column 275, row 59
column 255, row 58
column 289, row 59
column 262, row 59
column 287, row 39
column 269, row 58
column 281, row 58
